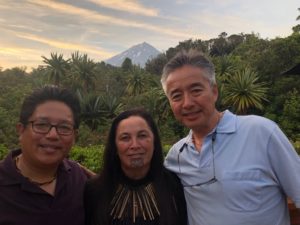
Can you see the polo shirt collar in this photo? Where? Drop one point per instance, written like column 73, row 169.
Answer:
column 14, row 177
column 227, row 125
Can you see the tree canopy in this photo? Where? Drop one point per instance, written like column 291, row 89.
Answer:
column 248, row 71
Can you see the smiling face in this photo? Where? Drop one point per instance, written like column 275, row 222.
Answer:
column 135, row 146
column 192, row 98
column 49, row 149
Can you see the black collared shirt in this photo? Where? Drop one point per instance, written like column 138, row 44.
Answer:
column 24, row 203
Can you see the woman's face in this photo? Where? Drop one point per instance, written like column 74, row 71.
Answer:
column 135, row 146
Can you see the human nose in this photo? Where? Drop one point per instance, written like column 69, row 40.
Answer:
column 187, row 101
column 52, row 132
column 134, row 143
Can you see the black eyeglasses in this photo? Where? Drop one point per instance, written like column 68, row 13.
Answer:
column 213, row 179
column 42, row 127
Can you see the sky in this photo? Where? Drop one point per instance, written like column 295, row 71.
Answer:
column 30, row 29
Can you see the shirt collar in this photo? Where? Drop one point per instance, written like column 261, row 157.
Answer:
column 14, row 177
column 227, row 124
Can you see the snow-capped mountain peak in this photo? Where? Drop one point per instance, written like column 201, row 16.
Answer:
column 139, row 54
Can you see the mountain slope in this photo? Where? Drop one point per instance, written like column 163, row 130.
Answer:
column 139, row 54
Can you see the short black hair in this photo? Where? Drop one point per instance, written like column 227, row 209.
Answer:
column 193, row 58
column 50, row 93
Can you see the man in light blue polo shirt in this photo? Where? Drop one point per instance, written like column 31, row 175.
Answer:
column 236, row 170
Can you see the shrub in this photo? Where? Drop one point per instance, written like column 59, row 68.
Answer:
column 90, row 157
column 3, row 151
column 297, row 146
column 166, row 149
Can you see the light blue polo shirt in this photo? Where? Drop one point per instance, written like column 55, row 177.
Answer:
column 256, row 169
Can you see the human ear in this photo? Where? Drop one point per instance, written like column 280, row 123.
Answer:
column 215, row 91
column 20, row 128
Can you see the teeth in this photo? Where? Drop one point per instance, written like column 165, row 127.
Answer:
column 49, row 148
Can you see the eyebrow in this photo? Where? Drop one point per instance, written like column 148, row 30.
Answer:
column 140, row 131
column 173, row 91
column 196, row 84
column 47, row 119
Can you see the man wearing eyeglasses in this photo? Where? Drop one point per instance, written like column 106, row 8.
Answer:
column 234, row 169
column 38, row 185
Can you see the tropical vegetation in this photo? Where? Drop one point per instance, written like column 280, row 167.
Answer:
column 249, row 71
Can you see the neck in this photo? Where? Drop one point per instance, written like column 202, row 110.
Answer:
column 35, row 174
column 136, row 173
column 199, row 134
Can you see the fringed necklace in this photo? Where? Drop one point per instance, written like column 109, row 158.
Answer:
column 134, row 202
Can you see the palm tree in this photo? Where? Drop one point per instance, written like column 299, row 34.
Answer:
column 111, row 105
column 296, row 29
column 242, row 91
column 163, row 104
column 56, row 67
column 225, row 66
column 83, row 70
column 136, row 82
column 91, row 110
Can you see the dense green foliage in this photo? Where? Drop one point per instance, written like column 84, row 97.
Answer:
column 3, row 151
column 91, row 157
column 248, row 70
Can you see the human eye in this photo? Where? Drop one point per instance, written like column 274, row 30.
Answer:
column 143, row 135
column 175, row 96
column 196, row 90
column 65, row 128
column 41, row 125
column 124, row 138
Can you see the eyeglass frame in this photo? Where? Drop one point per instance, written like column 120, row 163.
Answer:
column 214, row 178
column 50, row 127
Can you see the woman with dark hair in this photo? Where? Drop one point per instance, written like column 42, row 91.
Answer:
column 133, row 186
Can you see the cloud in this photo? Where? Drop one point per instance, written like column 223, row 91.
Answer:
column 15, row 56
column 65, row 45
column 15, row 51
column 24, row 27
column 94, row 16
column 103, row 28
column 129, row 6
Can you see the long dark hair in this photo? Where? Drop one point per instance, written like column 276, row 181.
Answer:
column 108, row 179
column 111, row 165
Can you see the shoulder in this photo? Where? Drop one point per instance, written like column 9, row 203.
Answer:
column 231, row 122
column 94, row 186
column 7, row 166
column 74, row 169
column 255, row 122
column 70, row 164
column 171, row 179
column 94, row 192
column 176, row 147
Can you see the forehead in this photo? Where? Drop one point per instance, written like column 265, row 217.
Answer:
column 186, row 76
column 133, row 124
column 55, row 110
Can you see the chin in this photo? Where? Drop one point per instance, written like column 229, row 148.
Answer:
column 190, row 124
